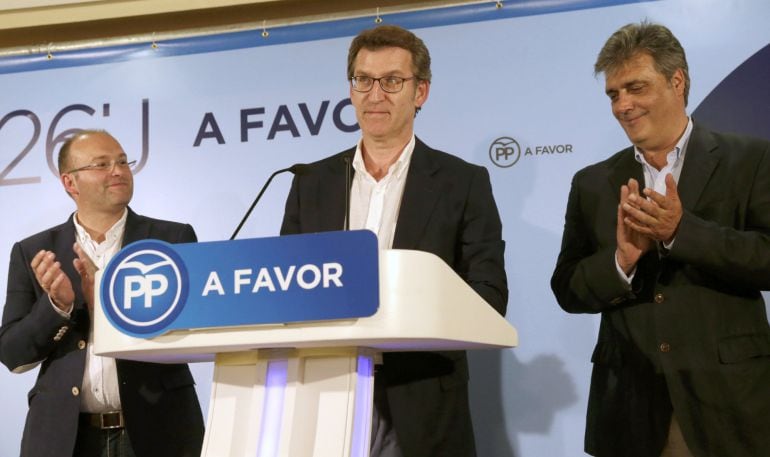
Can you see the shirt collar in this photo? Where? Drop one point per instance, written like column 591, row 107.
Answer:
column 675, row 154
column 112, row 235
column 398, row 168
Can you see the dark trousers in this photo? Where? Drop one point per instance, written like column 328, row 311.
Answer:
column 675, row 444
column 97, row 442
column 384, row 442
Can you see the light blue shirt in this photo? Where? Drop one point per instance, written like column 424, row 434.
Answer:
column 656, row 179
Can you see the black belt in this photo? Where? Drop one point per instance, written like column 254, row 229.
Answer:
column 108, row 420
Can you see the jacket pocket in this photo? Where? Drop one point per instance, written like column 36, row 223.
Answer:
column 740, row 348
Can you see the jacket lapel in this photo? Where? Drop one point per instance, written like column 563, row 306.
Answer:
column 419, row 199
column 65, row 254
column 699, row 165
column 625, row 167
column 331, row 202
column 136, row 229
column 700, row 161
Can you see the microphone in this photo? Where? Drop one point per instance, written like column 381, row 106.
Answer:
column 297, row 169
column 348, row 169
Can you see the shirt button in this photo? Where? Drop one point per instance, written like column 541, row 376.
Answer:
column 75, row 391
column 659, row 298
column 81, row 344
column 665, row 347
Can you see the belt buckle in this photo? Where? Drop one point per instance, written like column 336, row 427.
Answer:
column 106, row 420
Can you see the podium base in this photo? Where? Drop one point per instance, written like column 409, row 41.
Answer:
column 291, row 403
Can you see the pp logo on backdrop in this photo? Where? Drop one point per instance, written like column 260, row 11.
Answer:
column 144, row 288
column 504, row 152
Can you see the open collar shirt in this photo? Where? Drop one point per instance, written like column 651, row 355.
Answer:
column 374, row 205
column 656, row 180
column 99, row 392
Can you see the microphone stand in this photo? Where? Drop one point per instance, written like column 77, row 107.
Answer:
column 293, row 169
column 347, row 191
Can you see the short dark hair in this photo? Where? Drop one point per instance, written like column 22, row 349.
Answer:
column 64, row 151
column 645, row 37
column 386, row 36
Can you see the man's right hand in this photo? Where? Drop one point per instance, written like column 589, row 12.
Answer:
column 53, row 280
column 631, row 244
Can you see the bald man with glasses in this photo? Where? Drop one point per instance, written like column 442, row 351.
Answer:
column 83, row 404
column 412, row 197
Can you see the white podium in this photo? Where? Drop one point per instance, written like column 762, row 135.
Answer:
column 305, row 389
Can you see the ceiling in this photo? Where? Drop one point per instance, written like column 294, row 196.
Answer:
column 34, row 23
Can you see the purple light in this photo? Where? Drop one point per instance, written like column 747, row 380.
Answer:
column 272, row 414
column 362, row 415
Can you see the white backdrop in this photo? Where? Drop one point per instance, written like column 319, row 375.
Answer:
column 523, row 72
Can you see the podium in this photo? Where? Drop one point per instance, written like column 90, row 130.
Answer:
column 305, row 389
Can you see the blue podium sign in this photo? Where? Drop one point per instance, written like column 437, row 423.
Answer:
column 151, row 287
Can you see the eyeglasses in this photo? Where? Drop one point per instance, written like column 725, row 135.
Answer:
column 104, row 165
column 389, row 84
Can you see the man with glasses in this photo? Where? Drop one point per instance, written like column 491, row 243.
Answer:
column 412, row 197
column 83, row 404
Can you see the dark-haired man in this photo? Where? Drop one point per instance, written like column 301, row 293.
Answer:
column 670, row 241
column 412, row 197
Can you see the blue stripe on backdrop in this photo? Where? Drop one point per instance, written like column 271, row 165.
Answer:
column 294, row 33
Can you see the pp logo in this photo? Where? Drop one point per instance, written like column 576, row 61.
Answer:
column 144, row 288
column 504, row 152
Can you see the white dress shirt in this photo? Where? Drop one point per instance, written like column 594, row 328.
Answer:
column 99, row 392
column 374, row 204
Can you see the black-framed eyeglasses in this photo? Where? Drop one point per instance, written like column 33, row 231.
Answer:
column 389, row 84
column 105, row 165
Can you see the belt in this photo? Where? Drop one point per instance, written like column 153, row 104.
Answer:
column 108, row 420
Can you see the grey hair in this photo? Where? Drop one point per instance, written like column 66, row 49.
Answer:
column 645, row 37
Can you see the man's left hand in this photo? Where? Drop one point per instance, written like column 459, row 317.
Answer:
column 87, row 270
column 658, row 215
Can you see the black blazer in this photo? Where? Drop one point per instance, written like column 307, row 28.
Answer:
column 447, row 209
column 692, row 333
column 162, row 413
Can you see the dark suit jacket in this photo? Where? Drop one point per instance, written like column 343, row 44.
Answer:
column 163, row 417
column 447, row 209
column 693, row 332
